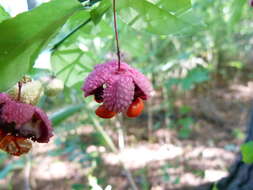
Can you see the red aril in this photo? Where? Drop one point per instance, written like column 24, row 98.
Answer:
column 104, row 113
column 135, row 108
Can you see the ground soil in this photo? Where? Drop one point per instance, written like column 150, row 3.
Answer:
column 158, row 160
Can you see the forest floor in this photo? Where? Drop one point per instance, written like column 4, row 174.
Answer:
column 160, row 161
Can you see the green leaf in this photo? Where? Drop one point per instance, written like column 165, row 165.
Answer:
column 77, row 55
column 236, row 64
column 3, row 14
column 171, row 82
column 186, row 122
column 97, row 13
column 177, row 6
column 194, row 20
column 176, row 181
column 69, row 65
column 24, row 37
column 130, row 44
column 199, row 74
column 185, row 109
column 77, row 187
column 215, row 187
column 185, row 129
column 237, row 9
column 195, row 76
column 102, row 30
column 247, row 152
column 76, row 21
column 143, row 15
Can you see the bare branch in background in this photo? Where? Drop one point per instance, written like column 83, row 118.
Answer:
column 31, row 4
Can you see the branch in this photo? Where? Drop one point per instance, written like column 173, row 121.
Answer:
column 31, row 4
column 89, row 4
column 113, row 148
column 56, row 45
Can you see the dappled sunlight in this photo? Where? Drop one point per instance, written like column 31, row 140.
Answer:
column 51, row 169
column 243, row 91
column 214, row 175
column 140, row 156
column 194, row 166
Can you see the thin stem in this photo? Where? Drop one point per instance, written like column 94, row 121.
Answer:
column 120, row 130
column 31, row 4
column 116, row 33
column 106, row 137
column 113, row 148
column 19, row 90
column 58, row 43
column 27, row 174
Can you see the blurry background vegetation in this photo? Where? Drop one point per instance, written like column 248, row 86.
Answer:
column 199, row 59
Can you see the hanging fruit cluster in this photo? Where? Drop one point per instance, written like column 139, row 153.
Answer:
column 120, row 90
column 21, row 122
column 117, row 85
column 251, row 3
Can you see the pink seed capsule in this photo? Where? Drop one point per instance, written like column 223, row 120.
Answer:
column 117, row 87
column 251, row 3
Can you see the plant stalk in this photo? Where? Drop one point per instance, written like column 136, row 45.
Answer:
column 19, row 90
column 116, row 33
column 27, row 173
column 113, row 148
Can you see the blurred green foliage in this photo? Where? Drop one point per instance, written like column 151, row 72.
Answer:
column 3, row 14
column 247, row 153
column 24, row 36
